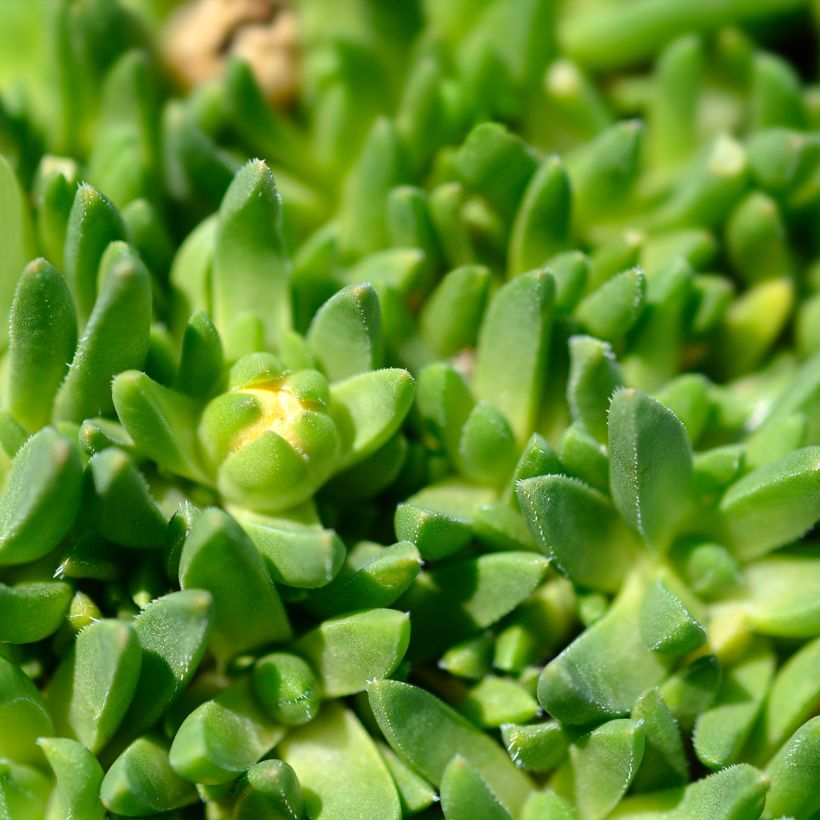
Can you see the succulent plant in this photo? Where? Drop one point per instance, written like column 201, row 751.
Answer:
column 439, row 437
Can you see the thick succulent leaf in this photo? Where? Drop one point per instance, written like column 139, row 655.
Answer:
column 664, row 763
column 223, row 737
column 116, row 337
column 577, row 528
column 41, row 498
column 369, row 409
column 23, row 714
column 346, row 333
column 542, row 221
column 455, row 601
column 141, row 781
column 773, row 505
column 721, row 731
column 19, row 244
column 247, row 610
column 650, row 466
column 667, row 626
column 269, row 790
column 795, row 775
column 173, row 633
column 351, row 651
column 78, row 775
column 92, row 689
column 162, row 423
column 340, row 769
column 734, row 792
column 286, row 688
column 32, row 610
column 427, row 734
column 604, row 763
column 511, row 359
column 604, row 670
column 465, row 794
column 118, row 503
column 251, row 268
column 93, row 224
column 536, row 747
column 42, row 338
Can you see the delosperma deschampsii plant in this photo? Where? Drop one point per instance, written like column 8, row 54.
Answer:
column 409, row 408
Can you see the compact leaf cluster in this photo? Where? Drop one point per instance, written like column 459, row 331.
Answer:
column 447, row 446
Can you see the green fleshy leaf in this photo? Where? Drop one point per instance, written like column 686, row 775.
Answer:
column 676, row 87
column 346, row 333
column 692, row 690
column 378, row 582
column 201, row 361
column 794, row 773
column 604, row 763
column 542, row 222
column 593, row 378
column 54, row 188
column 173, row 633
column 251, row 269
column 223, row 737
column 577, row 528
column 793, row 699
column 537, row 747
column 369, row 409
column 116, row 337
column 650, row 466
column 667, row 626
column 381, row 166
column 92, row 689
column 41, row 498
column 269, row 790
column 455, row 601
column 118, row 504
column 611, row 310
column 773, row 505
column 415, row 793
column 737, row 791
column 79, row 777
column 721, row 731
column 470, row 659
column 31, row 611
column 496, row 164
column 601, row 172
column 42, row 337
column 495, row 701
column 24, row 791
column 161, row 422
column 465, row 793
column 93, row 224
column 141, row 781
column 548, row 804
column 487, row 447
column 219, row 558
column 339, row 767
column 299, row 555
column 286, row 688
column 664, row 763
column 783, row 594
column 510, row 367
column 584, row 457
column 427, row 734
column 350, row 651
column 24, row 715
column 19, row 244
column 450, row 317
column 604, row 670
